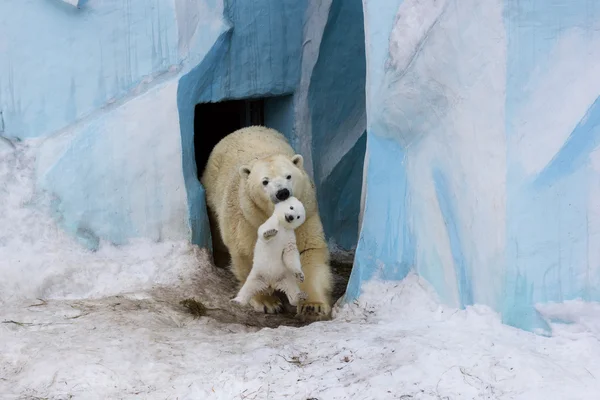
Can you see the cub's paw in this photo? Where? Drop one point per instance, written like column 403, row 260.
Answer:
column 266, row 303
column 237, row 301
column 299, row 276
column 313, row 311
column 269, row 234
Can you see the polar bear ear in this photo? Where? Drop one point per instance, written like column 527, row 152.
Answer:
column 244, row 171
column 298, row 160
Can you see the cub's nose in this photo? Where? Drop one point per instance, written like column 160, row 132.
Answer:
column 282, row 194
column 289, row 218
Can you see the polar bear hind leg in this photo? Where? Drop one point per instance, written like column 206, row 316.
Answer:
column 251, row 287
column 261, row 302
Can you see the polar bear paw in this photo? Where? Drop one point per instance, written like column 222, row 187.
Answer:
column 269, row 234
column 313, row 311
column 266, row 303
column 237, row 301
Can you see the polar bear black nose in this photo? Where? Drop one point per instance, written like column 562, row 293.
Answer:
column 289, row 218
column 282, row 194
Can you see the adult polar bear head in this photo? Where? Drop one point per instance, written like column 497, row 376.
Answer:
column 274, row 178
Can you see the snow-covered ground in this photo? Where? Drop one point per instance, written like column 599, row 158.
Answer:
column 106, row 325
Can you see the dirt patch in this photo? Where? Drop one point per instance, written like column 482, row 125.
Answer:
column 214, row 287
column 205, row 296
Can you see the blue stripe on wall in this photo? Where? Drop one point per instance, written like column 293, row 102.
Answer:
column 576, row 150
column 386, row 246
column 449, row 210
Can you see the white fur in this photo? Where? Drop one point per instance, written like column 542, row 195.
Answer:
column 276, row 264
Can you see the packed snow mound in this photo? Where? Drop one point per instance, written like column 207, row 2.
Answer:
column 39, row 260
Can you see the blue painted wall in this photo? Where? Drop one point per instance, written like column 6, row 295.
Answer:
column 337, row 104
column 258, row 57
column 76, row 60
column 483, row 156
column 109, row 89
column 551, row 224
column 98, row 85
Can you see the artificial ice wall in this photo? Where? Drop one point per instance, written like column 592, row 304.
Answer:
column 483, row 163
column 107, row 90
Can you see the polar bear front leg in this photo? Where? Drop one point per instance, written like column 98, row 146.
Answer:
column 261, row 302
column 317, row 285
column 291, row 260
column 318, row 280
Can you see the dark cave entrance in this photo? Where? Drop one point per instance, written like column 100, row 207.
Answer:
column 214, row 121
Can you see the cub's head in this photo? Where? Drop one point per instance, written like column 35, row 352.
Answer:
column 274, row 178
column 290, row 213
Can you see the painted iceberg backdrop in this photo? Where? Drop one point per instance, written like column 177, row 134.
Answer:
column 482, row 166
column 457, row 139
column 111, row 89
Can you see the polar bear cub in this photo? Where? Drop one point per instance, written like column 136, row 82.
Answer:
column 276, row 264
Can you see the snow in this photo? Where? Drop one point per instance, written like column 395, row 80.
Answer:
column 78, row 324
column 38, row 259
column 395, row 341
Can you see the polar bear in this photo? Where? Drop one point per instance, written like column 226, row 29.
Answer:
column 247, row 173
column 276, row 264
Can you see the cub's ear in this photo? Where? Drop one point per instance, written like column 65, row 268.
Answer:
column 244, row 171
column 298, row 160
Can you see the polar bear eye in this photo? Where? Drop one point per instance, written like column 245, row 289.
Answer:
column 265, row 182
column 298, row 217
column 291, row 208
column 289, row 177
